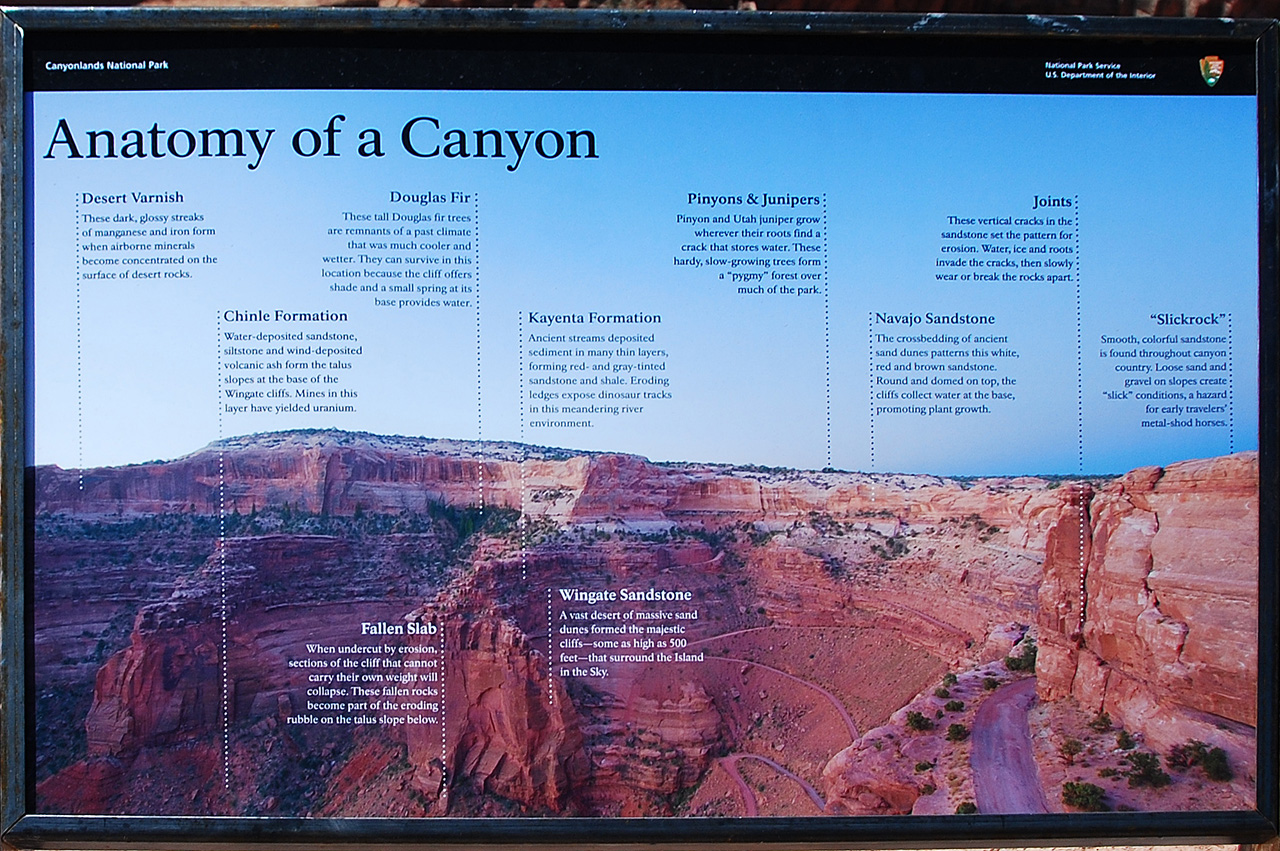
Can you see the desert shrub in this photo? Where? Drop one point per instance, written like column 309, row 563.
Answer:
column 957, row 733
column 1026, row 661
column 966, row 808
column 1186, row 755
column 1124, row 741
column 1107, row 772
column 1215, row 765
column 1144, row 770
column 923, row 766
column 1195, row 752
column 916, row 721
column 990, row 683
column 1101, row 724
column 1070, row 749
column 893, row 548
column 928, row 789
column 949, row 679
column 1084, row 796
column 955, row 706
column 941, row 692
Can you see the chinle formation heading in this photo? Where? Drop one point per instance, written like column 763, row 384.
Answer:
column 422, row 136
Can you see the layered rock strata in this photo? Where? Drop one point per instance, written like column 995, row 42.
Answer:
column 1149, row 610
column 1143, row 591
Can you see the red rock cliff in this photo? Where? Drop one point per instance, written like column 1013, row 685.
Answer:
column 1164, row 636
column 340, row 473
column 511, row 730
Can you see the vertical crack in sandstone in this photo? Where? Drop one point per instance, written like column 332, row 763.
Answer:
column 1081, row 521
column 332, row 474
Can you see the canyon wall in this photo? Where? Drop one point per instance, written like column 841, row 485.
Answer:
column 1143, row 591
column 1149, row 608
column 514, row 731
column 336, row 473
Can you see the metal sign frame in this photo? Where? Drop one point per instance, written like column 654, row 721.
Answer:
column 24, row 828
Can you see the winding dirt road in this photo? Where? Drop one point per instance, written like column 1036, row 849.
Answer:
column 1005, row 777
column 835, row 701
column 730, row 766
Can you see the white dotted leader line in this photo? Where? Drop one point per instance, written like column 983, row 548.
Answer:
column 222, row 587
column 524, row 518
column 79, row 359
column 1083, row 517
column 1082, row 509
column 826, row 317
column 871, row 384
column 222, row 570
column 475, row 219
column 1079, row 353
column 444, row 738
column 871, row 396
column 1231, row 390
column 551, row 695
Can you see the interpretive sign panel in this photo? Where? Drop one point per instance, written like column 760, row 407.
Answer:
column 540, row 424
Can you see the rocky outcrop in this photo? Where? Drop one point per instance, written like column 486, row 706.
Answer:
column 864, row 779
column 164, row 687
column 899, row 767
column 1163, row 633
column 653, row 741
column 955, row 605
column 1062, row 601
column 511, row 730
column 93, row 783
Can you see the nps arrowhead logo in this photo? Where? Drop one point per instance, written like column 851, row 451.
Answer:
column 1211, row 69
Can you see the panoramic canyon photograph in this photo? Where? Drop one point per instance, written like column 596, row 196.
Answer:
column 342, row 624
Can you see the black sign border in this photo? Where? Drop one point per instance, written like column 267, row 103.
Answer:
column 22, row 828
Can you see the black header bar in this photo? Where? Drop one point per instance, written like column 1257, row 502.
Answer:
column 842, row 53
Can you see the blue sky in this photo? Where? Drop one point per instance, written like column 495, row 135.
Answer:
column 1166, row 190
